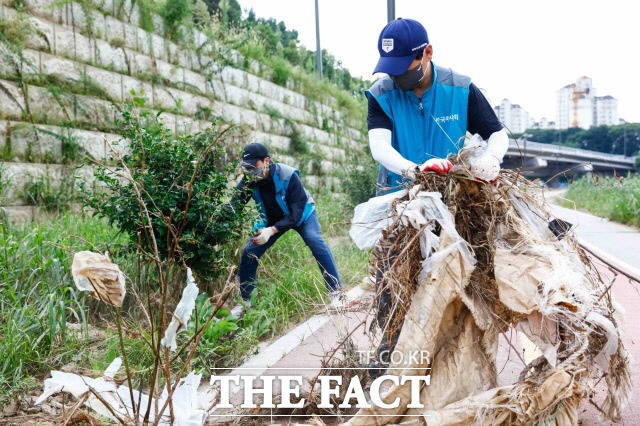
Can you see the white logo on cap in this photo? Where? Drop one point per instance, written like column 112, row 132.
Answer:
column 387, row 44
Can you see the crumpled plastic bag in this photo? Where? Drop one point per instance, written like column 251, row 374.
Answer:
column 477, row 156
column 96, row 273
column 370, row 218
column 182, row 313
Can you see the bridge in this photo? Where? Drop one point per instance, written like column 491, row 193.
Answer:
column 544, row 160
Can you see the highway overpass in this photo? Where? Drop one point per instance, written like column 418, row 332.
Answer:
column 544, row 160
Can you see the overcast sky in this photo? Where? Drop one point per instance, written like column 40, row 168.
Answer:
column 523, row 50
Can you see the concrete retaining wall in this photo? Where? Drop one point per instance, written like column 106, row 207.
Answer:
column 40, row 127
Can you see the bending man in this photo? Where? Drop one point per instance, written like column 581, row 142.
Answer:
column 283, row 204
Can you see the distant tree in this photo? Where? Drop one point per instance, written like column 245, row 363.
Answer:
column 620, row 139
column 228, row 10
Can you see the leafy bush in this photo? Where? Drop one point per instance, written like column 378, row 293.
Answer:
column 175, row 14
column 184, row 181
column 280, row 72
column 298, row 144
column 360, row 182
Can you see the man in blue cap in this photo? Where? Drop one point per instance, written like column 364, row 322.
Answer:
column 420, row 112
column 283, row 204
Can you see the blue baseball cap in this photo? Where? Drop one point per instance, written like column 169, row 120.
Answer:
column 399, row 43
column 252, row 153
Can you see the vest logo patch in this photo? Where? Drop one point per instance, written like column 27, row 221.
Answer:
column 452, row 117
column 387, row 44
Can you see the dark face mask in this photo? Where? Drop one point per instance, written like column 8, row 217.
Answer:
column 410, row 79
column 256, row 174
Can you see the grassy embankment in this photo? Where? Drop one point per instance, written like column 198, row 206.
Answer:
column 39, row 302
column 616, row 199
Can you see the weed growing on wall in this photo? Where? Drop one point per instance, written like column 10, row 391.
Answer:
column 52, row 196
column 175, row 14
column 298, row 144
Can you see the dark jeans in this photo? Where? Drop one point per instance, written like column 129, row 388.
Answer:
column 312, row 236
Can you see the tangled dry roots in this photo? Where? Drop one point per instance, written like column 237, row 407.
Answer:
column 547, row 288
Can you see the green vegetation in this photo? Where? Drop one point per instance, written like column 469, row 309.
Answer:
column 47, row 324
column 298, row 144
column 620, row 139
column 38, row 298
column 14, row 33
column 185, row 179
column 266, row 41
column 360, row 182
column 52, row 197
column 616, row 198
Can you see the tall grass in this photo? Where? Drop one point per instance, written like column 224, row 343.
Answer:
column 37, row 295
column 615, row 198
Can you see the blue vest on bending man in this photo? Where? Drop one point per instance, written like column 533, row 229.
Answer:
column 433, row 126
column 281, row 177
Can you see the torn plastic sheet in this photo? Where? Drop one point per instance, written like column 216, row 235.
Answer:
column 190, row 407
column 422, row 211
column 371, row 217
column 182, row 313
column 96, row 273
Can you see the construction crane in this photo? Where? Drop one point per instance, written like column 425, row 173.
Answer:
column 575, row 97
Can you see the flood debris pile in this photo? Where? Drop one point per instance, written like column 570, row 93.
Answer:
column 459, row 262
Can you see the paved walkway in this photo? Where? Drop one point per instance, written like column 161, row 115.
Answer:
column 613, row 238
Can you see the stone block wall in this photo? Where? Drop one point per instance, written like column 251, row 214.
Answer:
column 61, row 93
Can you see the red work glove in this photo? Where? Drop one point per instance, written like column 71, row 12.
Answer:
column 438, row 165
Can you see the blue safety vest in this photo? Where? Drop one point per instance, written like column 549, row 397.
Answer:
column 433, row 126
column 281, row 177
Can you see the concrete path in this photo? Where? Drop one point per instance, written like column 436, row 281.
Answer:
column 613, row 238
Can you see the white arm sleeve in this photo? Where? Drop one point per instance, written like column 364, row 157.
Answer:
column 498, row 144
column 385, row 154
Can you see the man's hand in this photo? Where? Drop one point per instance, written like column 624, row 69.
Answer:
column 263, row 235
column 438, row 165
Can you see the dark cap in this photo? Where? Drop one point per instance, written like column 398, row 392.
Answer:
column 252, row 153
column 398, row 44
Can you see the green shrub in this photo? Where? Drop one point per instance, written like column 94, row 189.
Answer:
column 280, row 72
column 360, row 183
column 184, row 180
column 298, row 144
column 175, row 14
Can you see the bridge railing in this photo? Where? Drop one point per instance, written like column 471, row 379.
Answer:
column 537, row 148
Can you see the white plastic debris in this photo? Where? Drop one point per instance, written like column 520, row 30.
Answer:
column 370, row 218
column 77, row 385
column 482, row 162
column 96, row 273
column 422, row 211
column 190, row 407
column 182, row 314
